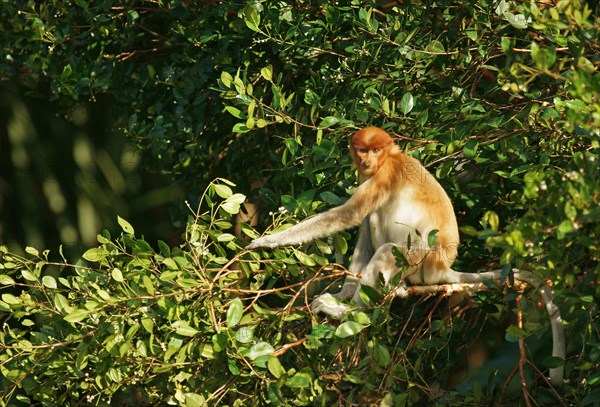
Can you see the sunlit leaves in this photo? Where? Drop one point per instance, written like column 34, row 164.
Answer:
column 260, row 349
column 49, row 282
column 183, row 328
column 407, row 103
column 328, row 121
column 232, row 203
column 117, row 275
column 77, row 315
column 251, row 18
column 6, row 280
column 348, row 328
column 267, row 73
column 126, row 226
column 95, row 254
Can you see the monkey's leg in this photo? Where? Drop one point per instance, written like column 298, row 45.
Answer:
column 361, row 257
column 382, row 263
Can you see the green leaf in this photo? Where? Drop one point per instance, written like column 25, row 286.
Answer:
column 225, row 237
column 275, row 367
column 226, row 79
column 260, row 123
column 148, row 324
column 245, row 334
column 518, row 21
column 148, row 285
column 436, row 46
column 223, row 191
column 514, row 333
column 95, row 254
column 62, row 304
column 11, row 299
column 323, row 331
column 407, row 103
column 234, row 312
column 31, row 250
column 117, row 275
column 232, row 203
column 332, row 198
column 260, row 349
column 470, row 149
column 234, row 111
column 539, row 57
column 6, row 280
column 164, row 249
column 507, row 45
column 126, row 226
column 291, row 144
column 49, row 281
column 267, row 73
column 219, row 342
column 193, row 399
column 233, row 367
column 328, row 122
column 469, row 230
column 251, row 18
column 369, row 295
column 553, row 362
column 132, row 16
column 340, row 244
column 565, row 227
column 348, row 328
column 184, row 329
column 172, row 265
column 432, row 238
column 66, row 73
column 300, row 380
column 492, row 220
column 28, row 275
column 304, row 258
column 381, row 355
column 77, row 315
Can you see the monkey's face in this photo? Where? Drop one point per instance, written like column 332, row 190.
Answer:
column 369, row 148
column 368, row 160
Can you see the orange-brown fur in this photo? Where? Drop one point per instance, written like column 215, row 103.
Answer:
column 395, row 171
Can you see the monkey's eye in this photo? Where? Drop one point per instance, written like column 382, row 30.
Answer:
column 375, row 150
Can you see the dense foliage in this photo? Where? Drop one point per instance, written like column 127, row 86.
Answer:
column 498, row 98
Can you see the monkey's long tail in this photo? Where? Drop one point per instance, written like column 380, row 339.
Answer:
column 556, row 324
column 558, row 330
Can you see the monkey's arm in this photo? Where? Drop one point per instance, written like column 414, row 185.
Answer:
column 323, row 224
column 345, row 216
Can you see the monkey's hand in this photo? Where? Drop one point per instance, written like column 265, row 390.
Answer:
column 329, row 305
column 265, row 242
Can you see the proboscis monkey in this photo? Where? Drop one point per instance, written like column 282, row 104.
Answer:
column 398, row 204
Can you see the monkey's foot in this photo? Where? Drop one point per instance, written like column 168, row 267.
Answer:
column 401, row 290
column 329, row 305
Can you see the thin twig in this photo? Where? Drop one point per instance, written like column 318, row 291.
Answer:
column 289, row 346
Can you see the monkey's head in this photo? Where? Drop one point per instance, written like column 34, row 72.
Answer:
column 369, row 148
